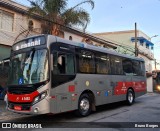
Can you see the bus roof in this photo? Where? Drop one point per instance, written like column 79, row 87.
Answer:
column 85, row 45
column 96, row 48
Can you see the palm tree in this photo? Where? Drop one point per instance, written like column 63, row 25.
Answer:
column 58, row 14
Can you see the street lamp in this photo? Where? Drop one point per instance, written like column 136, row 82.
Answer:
column 153, row 36
column 153, row 52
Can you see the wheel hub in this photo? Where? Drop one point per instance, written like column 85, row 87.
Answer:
column 130, row 97
column 84, row 104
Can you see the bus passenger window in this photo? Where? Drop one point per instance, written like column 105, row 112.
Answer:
column 142, row 69
column 116, row 65
column 86, row 62
column 102, row 64
column 127, row 66
column 136, row 67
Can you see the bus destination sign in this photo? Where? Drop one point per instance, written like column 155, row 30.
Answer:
column 29, row 43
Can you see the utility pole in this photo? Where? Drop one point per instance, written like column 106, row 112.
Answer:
column 155, row 64
column 136, row 49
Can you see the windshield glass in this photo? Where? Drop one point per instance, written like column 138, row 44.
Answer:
column 29, row 67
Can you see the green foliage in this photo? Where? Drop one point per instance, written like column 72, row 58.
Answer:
column 57, row 11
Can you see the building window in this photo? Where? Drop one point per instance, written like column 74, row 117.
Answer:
column 141, row 43
column 30, row 25
column 152, row 47
column 6, row 20
column 147, row 46
column 70, row 37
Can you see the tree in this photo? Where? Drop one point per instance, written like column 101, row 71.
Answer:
column 58, row 14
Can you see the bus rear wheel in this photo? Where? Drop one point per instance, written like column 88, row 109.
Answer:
column 130, row 97
column 84, row 105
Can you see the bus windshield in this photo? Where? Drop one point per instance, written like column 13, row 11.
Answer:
column 29, row 68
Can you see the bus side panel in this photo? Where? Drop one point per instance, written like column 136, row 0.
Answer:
column 123, row 83
column 97, row 84
column 119, row 85
column 139, row 85
column 67, row 95
column 105, row 88
column 61, row 98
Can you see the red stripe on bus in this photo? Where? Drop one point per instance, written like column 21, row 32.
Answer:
column 22, row 98
column 122, row 87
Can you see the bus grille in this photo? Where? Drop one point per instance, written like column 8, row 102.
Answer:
column 21, row 90
column 25, row 107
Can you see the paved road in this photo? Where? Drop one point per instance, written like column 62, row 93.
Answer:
column 145, row 109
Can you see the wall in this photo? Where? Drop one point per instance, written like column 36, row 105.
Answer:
column 149, row 84
column 77, row 38
column 20, row 24
column 4, row 52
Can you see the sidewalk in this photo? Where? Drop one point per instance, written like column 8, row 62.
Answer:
column 5, row 114
column 2, row 106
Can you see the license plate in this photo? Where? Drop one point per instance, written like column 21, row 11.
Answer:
column 18, row 108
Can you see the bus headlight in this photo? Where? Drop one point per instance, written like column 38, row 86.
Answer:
column 40, row 97
column 36, row 99
column 44, row 94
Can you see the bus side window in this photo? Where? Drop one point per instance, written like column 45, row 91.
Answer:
column 116, row 65
column 136, row 68
column 63, row 63
column 102, row 64
column 142, row 69
column 86, row 62
column 70, row 68
column 127, row 66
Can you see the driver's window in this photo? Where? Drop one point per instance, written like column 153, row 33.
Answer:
column 63, row 63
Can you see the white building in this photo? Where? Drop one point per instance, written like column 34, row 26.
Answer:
column 145, row 48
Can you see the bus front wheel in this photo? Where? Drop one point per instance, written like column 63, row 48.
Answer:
column 84, row 105
column 130, row 97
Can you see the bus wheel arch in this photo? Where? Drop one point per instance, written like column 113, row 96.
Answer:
column 88, row 98
column 92, row 96
column 130, row 97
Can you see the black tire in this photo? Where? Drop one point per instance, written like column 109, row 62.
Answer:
column 84, row 105
column 130, row 97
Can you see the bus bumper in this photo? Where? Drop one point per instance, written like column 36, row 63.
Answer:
column 41, row 107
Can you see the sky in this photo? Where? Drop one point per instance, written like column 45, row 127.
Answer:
column 119, row 15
